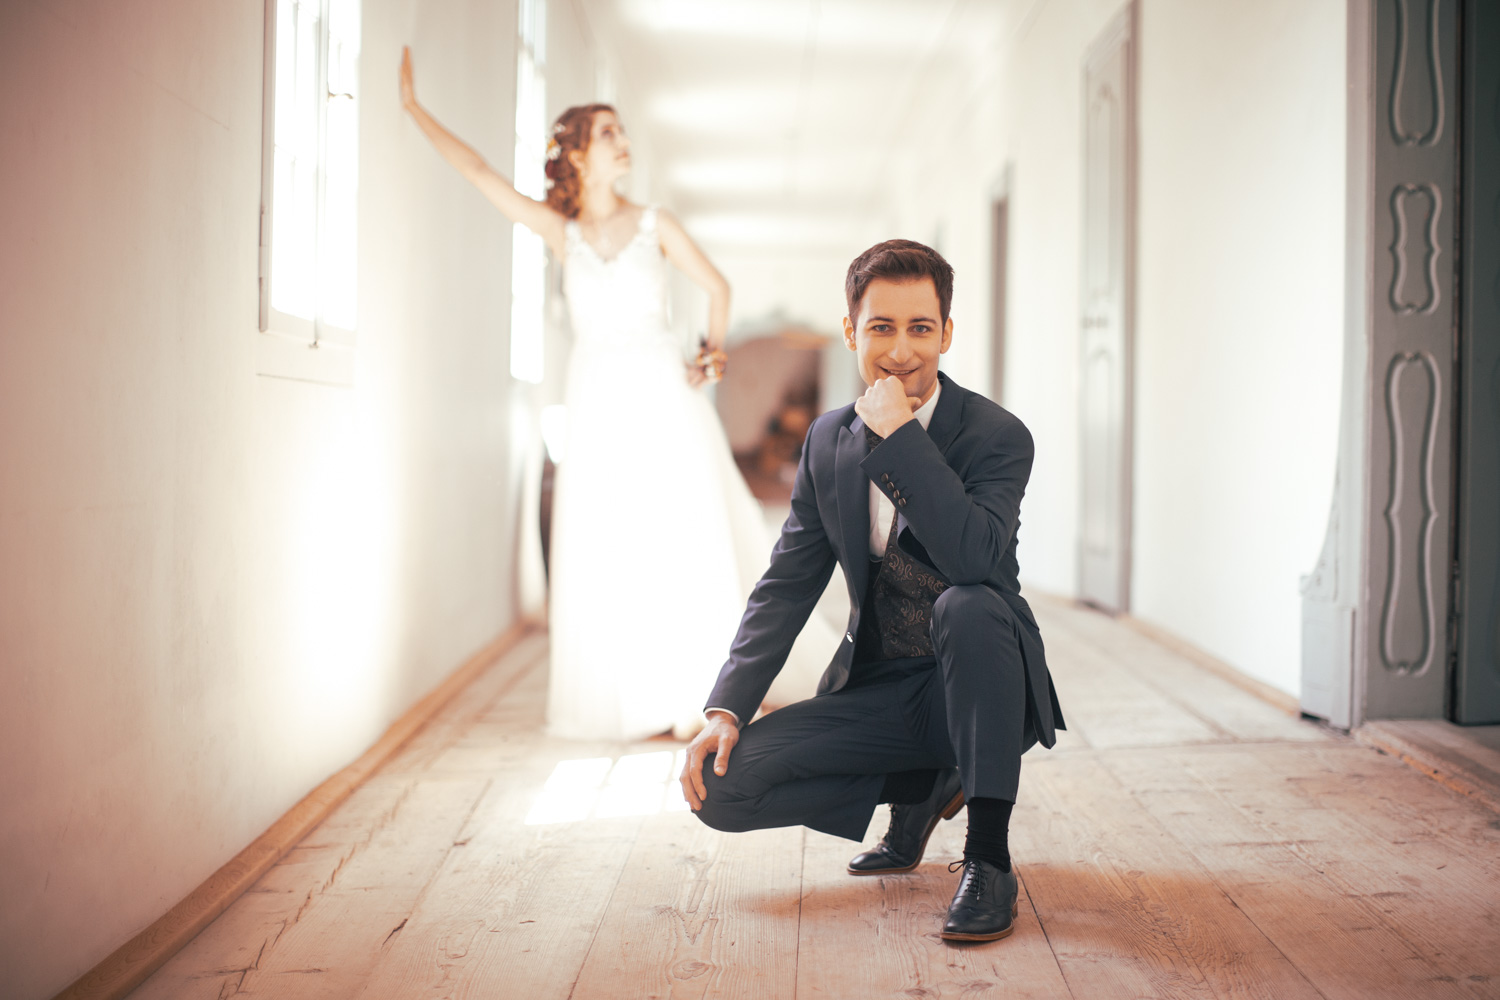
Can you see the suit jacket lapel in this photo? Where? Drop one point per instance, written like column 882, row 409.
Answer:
column 946, row 418
column 853, row 492
column 944, row 427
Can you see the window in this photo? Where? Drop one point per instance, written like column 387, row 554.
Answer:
column 528, row 276
column 309, row 189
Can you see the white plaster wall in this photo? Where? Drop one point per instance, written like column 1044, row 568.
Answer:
column 219, row 588
column 1239, row 295
column 1240, row 318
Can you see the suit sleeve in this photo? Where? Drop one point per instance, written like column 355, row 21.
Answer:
column 965, row 524
column 780, row 603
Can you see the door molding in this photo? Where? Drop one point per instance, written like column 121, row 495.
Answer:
column 1375, row 608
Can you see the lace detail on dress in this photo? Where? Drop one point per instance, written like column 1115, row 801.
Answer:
column 618, row 301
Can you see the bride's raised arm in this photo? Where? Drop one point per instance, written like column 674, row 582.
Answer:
column 690, row 260
column 537, row 216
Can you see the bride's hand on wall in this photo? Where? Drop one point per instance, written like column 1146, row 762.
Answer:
column 408, row 88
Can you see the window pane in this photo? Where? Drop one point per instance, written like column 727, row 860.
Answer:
column 294, row 193
column 338, row 241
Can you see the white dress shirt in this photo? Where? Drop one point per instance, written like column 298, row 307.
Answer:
column 881, row 508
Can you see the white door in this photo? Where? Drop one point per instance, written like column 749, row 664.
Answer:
column 1105, row 337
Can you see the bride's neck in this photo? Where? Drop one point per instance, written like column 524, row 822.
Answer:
column 598, row 201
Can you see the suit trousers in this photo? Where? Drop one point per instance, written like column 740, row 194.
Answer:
column 822, row 762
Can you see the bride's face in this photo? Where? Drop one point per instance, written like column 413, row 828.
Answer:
column 608, row 156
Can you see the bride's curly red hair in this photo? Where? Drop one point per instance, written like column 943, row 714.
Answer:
column 572, row 131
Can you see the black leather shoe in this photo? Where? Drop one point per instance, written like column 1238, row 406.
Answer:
column 900, row 850
column 985, row 906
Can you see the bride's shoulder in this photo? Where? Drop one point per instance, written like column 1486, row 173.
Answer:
column 662, row 218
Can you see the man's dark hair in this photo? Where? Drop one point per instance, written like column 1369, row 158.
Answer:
column 900, row 261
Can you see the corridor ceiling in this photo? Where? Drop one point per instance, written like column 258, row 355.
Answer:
column 776, row 123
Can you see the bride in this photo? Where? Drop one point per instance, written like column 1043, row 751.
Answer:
column 656, row 540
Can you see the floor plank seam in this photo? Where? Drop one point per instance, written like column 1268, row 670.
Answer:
column 455, row 728
column 1213, row 877
column 1413, row 758
column 801, row 890
column 1154, row 920
column 603, row 915
column 1031, row 902
column 1150, row 682
column 1356, row 900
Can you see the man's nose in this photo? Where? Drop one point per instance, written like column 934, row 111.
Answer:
column 900, row 351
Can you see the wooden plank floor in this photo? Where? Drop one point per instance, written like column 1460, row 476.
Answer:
column 1184, row 839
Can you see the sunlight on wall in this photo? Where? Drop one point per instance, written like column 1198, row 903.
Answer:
column 638, row 784
column 338, row 581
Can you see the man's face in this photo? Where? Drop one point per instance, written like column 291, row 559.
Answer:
column 898, row 332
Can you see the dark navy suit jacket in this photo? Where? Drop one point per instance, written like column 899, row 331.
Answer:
column 960, row 484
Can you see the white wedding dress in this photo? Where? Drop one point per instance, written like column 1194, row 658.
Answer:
column 656, row 539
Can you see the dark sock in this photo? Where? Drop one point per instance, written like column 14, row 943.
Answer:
column 907, row 788
column 989, row 832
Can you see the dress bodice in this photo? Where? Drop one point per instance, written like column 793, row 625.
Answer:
column 620, row 301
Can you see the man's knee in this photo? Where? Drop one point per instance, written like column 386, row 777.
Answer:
column 971, row 607
column 725, row 807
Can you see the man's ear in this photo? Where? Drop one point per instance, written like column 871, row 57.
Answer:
column 849, row 340
column 947, row 336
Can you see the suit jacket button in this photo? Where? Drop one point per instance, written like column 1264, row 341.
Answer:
column 901, row 502
column 849, row 636
column 885, row 476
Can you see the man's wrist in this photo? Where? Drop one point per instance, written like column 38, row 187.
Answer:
column 729, row 717
column 893, row 428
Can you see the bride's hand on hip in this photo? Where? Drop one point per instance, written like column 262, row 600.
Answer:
column 718, row 738
column 695, row 376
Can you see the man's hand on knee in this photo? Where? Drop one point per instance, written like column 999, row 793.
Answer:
column 718, row 738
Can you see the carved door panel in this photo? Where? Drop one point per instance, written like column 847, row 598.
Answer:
column 1106, row 376
column 1477, row 684
column 1410, row 497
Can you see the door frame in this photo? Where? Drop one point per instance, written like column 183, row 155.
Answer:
column 1000, row 201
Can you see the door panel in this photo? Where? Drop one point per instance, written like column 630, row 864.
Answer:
column 1409, row 517
column 1105, row 334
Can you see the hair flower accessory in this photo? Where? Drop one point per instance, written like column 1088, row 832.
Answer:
column 554, row 149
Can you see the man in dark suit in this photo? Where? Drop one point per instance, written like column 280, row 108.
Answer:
column 941, row 682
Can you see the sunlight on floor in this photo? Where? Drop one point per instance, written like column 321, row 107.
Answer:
column 637, row 784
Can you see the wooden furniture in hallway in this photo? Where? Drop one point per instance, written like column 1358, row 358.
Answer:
column 1185, row 839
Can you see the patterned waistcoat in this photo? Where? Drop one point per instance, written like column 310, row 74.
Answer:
column 896, row 620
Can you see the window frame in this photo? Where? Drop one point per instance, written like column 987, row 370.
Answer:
column 529, row 289
column 288, row 345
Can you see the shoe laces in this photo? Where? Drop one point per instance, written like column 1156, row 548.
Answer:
column 974, row 874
